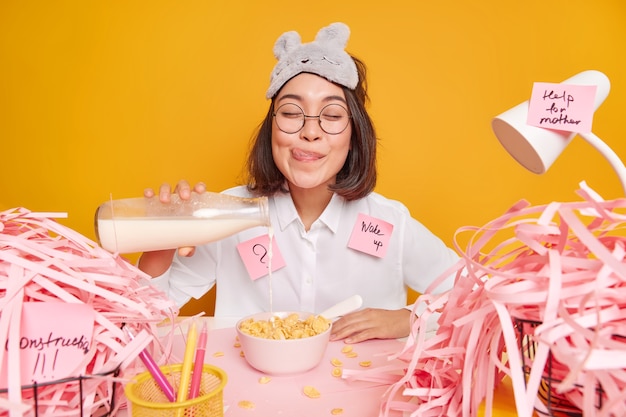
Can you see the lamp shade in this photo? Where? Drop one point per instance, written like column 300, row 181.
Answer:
column 534, row 147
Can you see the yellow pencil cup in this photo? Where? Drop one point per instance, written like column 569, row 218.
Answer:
column 146, row 399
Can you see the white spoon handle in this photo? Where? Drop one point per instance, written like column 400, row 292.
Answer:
column 343, row 307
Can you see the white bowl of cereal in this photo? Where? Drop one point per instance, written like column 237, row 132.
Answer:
column 282, row 343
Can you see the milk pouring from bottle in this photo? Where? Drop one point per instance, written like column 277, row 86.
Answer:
column 146, row 224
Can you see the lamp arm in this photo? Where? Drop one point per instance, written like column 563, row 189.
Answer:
column 609, row 154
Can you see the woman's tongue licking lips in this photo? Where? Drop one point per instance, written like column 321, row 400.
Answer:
column 300, row 155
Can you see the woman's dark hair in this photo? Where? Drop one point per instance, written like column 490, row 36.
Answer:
column 357, row 177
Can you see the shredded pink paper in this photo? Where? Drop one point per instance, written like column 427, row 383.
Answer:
column 560, row 266
column 43, row 261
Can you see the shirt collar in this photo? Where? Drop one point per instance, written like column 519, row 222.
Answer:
column 287, row 213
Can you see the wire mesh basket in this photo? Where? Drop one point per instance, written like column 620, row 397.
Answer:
column 146, row 398
column 557, row 404
column 32, row 394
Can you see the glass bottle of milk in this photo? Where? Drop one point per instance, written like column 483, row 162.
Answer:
column 145, row 224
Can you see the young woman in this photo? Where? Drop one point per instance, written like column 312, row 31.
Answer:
column 314, row 157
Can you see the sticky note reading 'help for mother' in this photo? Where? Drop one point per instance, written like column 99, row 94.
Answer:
column 54, row 339
column 370, row 235
column 566, row 107
column 255, row 254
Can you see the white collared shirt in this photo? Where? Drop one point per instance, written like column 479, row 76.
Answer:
column 320, row 269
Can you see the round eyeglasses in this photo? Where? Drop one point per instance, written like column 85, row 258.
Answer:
column 333, row 118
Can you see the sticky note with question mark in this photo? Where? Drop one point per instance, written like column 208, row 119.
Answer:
column 257, row 257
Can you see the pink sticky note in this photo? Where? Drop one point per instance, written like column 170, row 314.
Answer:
column 370, row 235
column 255, row 254
column 566, row 107
column 54, row 339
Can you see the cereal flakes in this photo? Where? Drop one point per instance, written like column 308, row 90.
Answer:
column 311, row 391
column 290, row 327
column 248, row 405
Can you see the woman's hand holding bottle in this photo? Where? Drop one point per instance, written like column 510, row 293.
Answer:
column 156, row 263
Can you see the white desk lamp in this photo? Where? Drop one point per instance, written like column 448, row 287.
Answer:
column 537, row 148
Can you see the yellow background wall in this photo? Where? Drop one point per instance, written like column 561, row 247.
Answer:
column 101, row 98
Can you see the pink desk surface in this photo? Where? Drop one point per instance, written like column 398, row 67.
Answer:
column 283, row 395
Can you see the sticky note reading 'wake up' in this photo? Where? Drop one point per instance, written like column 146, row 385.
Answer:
column 371, row 235
column 566, row 107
